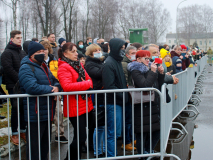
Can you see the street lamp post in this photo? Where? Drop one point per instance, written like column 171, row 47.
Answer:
column 177, row 37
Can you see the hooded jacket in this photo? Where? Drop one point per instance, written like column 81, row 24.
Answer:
column 113, row 76
column 143, row 77
column 174, row 59
column 25, row 46
column 80, row 50
column 185, row 62
column 128, row 76
column 53, row 65
column 10, row 61
column 55, row 49
column 37, row 82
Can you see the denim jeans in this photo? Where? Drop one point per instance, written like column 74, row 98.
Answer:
column 146, row 141
column 101, row 138
column 128, row 123
column 110, row 128
column 14, row 116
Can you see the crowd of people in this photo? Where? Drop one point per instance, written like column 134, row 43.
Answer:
column 44, row 67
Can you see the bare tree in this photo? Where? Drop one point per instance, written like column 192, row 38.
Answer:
column 13, row 5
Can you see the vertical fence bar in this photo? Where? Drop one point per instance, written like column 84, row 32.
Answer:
column 59, row 139
column 19, row 137
column 78, row 128
column 39, row 138
column 28, row 124
column 133, row 124
column 96, row 125
column 115, row 122
column 105, row 99
column 124, row 129
column 68, row 126
column 150, row 121
column 87, row 119
column 8, row 124
column 141, row 122
column 49, row 137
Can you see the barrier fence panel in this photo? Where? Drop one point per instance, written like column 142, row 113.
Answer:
column 113, row 119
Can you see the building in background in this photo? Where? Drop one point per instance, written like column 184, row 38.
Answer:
column 203, row 40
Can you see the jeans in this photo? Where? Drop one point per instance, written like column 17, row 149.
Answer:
column 146, row 141
column 101, row 138
column 14, row 116
column 128, row 123
column 110, row 128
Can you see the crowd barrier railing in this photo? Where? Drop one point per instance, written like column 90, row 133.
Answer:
column 180, row 95
column 189, row 82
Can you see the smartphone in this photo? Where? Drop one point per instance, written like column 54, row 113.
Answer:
column 158, row 61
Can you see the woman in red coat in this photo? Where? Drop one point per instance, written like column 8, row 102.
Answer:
column 73, row 77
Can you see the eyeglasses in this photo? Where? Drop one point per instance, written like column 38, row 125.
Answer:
column 147, row 59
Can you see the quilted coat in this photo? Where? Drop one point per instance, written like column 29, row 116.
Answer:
column 68, row 79
column 37, row 82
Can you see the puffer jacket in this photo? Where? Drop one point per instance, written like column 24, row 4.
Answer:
column 53, row 65
column 68, row 79
column 37, row 82
column 10, row 61
column 145, row 78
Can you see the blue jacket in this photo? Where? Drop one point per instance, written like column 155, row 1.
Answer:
column 37, row 83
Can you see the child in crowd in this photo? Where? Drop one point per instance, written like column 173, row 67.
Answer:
column 178, row 64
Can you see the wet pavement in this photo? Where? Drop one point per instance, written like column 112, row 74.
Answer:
column 203, row 135
column 199, row 140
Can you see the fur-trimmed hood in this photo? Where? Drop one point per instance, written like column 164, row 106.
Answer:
column 138, row 66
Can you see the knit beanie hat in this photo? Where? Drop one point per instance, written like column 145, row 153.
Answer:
column 61, row 40
column 178, row 61
column 34, row 47
column 183, row 46
column 164, row 52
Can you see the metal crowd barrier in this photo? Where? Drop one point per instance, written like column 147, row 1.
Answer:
column 180, row 95
column 190, row 83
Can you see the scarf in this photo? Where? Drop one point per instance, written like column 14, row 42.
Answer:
column 79, row 69
column 15, row 44
column 168, row 64
column 53, row 45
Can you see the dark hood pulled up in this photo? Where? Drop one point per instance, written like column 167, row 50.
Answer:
column 115, row 45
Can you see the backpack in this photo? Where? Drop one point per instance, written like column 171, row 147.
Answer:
column 17, row 88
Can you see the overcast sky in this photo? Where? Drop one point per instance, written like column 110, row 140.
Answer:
column 171, row 5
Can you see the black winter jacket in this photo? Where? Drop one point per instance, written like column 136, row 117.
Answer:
column 11, row 61
column 147, row 80
column 113, row 76
column 94, row 67
column 172, row 68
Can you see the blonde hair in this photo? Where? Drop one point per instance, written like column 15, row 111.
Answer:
column 92, row 48
column 47, row 45
column 170, row 59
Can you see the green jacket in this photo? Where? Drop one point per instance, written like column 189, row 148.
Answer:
column 128, row 76
column 210, row 52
